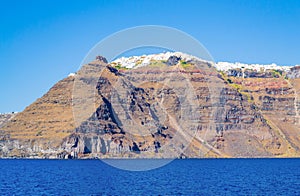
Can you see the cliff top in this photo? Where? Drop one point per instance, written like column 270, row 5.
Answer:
column 144, row 60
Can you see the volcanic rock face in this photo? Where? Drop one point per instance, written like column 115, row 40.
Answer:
column 155, row 110
column 294, row 72
column 6, row 117
column 173, row 60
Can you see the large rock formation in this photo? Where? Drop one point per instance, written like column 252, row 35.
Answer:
column 189, row 109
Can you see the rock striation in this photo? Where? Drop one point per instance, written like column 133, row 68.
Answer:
column 167, row 105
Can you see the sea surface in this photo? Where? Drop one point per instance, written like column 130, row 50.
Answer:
column 180, row 177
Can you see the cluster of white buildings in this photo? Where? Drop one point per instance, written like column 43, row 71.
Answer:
column 144, row 60
column 225, row 66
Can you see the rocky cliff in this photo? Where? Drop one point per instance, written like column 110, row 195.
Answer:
column 6, row 117
column 161, row 107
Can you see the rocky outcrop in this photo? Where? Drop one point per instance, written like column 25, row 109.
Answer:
column 101, row 59
column 294, row 73
column 173, row 60
column 6, row 117
column 248, row 73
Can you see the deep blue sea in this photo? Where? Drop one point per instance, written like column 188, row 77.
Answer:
column 180, row 177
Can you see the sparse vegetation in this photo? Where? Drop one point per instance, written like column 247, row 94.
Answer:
column 118, row 66
column 276, row 73
column 157, row 63
column 184, row 64
column 39, row 133
column 139, row 62
column 249, row 97
column 229, row 81
column 238, row 87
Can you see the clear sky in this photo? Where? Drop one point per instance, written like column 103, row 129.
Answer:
column 43, row 41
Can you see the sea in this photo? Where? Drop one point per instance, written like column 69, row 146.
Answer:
column 179, row 177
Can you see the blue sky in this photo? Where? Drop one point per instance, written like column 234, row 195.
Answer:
column 43, row 41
